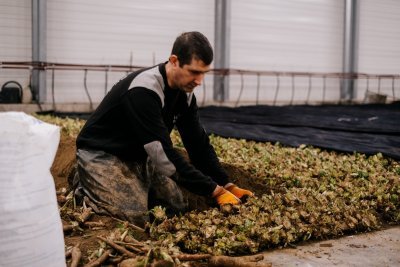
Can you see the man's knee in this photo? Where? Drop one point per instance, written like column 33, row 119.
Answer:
column 113, row 186
column 165, row 192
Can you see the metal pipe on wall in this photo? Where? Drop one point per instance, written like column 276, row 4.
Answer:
column 347, row 90
column 39, row 47
column 222, row 48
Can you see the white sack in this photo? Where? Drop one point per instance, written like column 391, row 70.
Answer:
column 30, row 225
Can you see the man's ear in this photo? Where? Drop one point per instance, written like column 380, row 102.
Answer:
column 174, row 60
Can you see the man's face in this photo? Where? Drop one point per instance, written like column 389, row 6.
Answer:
column 187, row 77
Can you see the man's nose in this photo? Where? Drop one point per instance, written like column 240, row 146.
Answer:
column 199, row 78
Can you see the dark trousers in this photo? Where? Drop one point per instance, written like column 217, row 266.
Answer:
column 126, row 190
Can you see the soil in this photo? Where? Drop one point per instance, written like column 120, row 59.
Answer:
column 372, row 249
column 63, row 168
column 64, row 161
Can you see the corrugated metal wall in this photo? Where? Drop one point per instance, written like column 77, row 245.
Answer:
column 107, row 32
column 379, row 45
column 15, row 38
column 293, row 35
column 117, row 32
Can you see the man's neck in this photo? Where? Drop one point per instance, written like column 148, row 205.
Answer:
column 168, row 71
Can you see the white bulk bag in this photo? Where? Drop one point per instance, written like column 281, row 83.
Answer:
column 30, row 225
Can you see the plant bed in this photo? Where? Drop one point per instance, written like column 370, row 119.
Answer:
column 302, row 193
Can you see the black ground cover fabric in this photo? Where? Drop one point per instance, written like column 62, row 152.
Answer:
column 366, row 129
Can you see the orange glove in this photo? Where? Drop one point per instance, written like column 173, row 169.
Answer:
column 223, row 196
column 237, row 191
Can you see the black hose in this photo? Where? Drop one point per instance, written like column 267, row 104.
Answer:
column 277, row 89
column 241, row 89
column 52, row 90
column 87, row 91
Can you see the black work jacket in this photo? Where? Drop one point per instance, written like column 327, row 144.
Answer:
column 135, row 119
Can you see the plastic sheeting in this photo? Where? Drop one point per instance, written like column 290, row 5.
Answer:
column 366, row 129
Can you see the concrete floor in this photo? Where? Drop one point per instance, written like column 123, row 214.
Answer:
column 380, row 248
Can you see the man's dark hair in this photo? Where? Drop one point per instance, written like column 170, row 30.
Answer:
column 190, row 45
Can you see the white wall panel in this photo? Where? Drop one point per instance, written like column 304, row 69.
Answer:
column 106, row 32
column 111, row 32
column 15, row 38
column 293, row 35
column 379, row 45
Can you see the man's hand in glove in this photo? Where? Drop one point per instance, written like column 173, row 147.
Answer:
column 223, row 196
column 237, row 191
